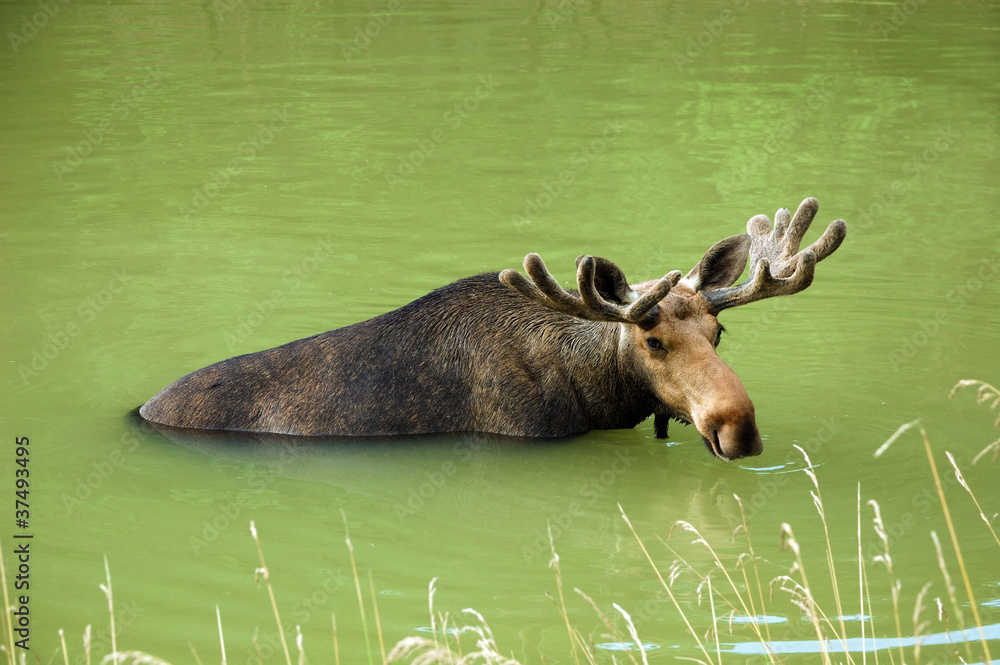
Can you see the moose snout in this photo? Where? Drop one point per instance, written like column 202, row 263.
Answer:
column 730, row 433
column 734, row 440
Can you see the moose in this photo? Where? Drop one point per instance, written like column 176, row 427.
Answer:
column 505, row 354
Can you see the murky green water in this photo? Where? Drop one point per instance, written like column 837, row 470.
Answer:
column 183, row 182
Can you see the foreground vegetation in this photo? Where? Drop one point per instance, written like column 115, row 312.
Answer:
column 735, row 594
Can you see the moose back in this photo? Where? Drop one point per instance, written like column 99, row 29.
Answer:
column 520, row 356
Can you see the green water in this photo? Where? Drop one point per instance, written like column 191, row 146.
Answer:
column 183, row 182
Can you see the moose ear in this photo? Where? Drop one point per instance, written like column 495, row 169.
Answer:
column 610, row 281
column 721, row 266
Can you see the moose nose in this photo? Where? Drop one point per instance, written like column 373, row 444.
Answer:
column 731, row 435
column 733, row 440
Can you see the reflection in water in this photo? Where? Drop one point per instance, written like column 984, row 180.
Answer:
column 857, row 645
column 757, row 619
column 628, row 646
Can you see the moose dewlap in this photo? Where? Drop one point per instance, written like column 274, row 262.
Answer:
column 506, row 354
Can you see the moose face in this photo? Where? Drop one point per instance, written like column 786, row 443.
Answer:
column 691, row 382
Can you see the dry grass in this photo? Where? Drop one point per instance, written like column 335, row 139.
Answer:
column 736, row 591
column 985, row 394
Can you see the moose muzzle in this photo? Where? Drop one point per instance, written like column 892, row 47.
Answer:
column 731, row 439
column 724, row 414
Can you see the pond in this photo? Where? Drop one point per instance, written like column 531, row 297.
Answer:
column 188, row 181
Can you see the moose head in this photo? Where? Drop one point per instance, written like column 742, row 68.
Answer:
column 669, row 328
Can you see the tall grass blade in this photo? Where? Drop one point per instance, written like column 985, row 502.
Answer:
column 898, row 433
column 818, row 501
column 62, row 644
column 222, row 640
column 633, row 632
column 357, row 587
column 431, row 590
column 772, row 657
column 802, row 593
column 861, row 583
column 265, row 573
column 378, row 619
column 954, row 542
column 603, row 617
column 111, row 611
column 965, row 485
column 886, row 559
column 336, row 645
column 554, row 563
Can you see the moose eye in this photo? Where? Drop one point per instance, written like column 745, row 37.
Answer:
column 654, row 344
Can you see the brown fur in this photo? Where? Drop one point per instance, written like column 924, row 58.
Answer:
column 472, row 356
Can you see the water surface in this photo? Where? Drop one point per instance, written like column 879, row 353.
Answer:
column 183, row 182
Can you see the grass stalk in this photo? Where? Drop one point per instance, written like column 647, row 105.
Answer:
column 715, row 621
column 756, row 572
column 666, row 587
column 985, row 393
column 918, row 625
column 615, row 635
column 886, row 559
column 378, row 619
column 633, row 632
column 222, row 640
column 431, row 590
column 264, row 572
column 804, row 599
column 336, row 645
column 62, row 644
column 818, row 502
column 954, row 542
column 357, row 588
column 554, row 564
column 298, row 645
column 871, row 613
column 111, row 610
column 861, row 583
column 949, row 587
column 762, row 615
column 965, row 485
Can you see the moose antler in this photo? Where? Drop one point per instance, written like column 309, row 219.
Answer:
column 629, row 307
column 777, row 267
